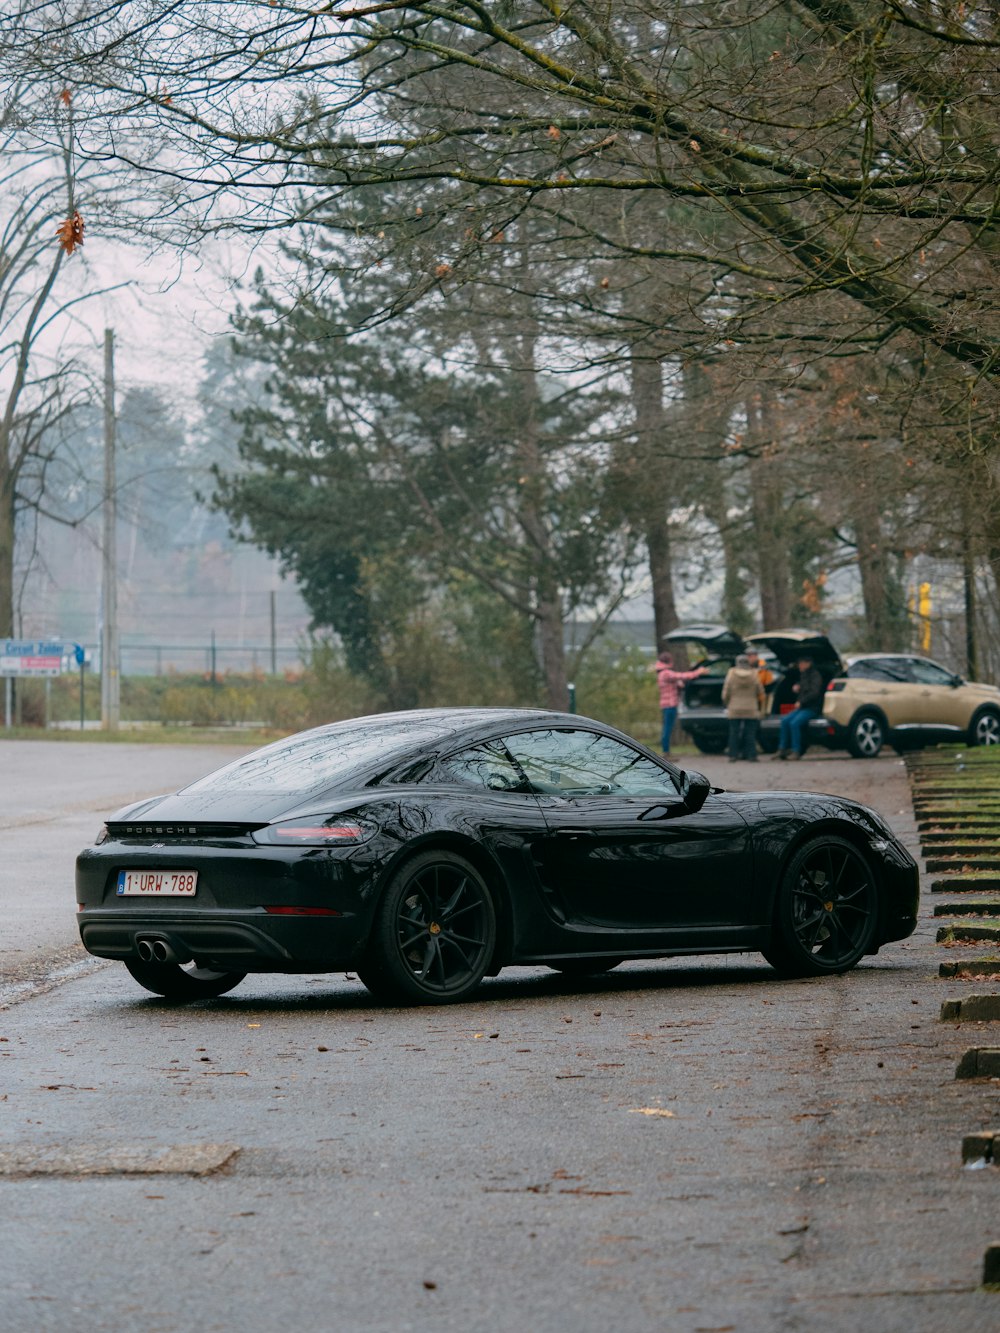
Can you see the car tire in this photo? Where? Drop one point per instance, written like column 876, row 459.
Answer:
column 434, row 933
column 584, row 967
column 176, row 982
column 866, row 734
column 984, row 729
column 826, row 910
column 710, row 744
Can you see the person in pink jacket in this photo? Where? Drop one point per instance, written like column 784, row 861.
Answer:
column 669, row 682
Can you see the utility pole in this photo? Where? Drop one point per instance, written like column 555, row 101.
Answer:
column 110, row 684
column 274, row 637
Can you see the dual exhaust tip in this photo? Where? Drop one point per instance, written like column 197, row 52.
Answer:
column 155, row 951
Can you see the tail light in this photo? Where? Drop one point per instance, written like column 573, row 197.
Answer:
column 314, row 831
column 835, row 686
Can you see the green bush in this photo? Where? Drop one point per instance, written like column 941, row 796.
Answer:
column 615, row 685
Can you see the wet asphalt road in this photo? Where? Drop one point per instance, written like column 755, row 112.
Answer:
column 686, row 1145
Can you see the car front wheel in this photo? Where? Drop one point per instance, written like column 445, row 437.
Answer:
column 866, row 736
column 177, row 982
column 434, row 933
column 985, row 728
column 826, row 910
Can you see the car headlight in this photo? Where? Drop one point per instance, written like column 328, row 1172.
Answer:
column 102, row 836
column 314, row 831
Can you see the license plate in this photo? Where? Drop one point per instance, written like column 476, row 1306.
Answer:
column 157, row 883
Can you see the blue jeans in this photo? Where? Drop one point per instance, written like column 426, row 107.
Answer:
column 794, row 727
column 669, row 718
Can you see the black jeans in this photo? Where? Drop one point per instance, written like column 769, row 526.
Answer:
column 743, row 737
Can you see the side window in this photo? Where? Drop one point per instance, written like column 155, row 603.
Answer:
column 583, row 763
column 485, row 765
column 929, row 673
column 879, row 668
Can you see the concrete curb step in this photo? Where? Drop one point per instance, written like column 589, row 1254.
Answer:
column 973, row 1009
column 950, row 934
column 982, row 806
column 962, row 863
column 955, row 820
column 969, row 907
column 938, row 814
column 967, row 785
column 971, row 967
column 979, row 1062
column 961, row 883
column 981, row 1147
column 985, row 843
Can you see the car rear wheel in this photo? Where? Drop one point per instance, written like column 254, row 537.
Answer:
column 583, row 967
column 434, row 933
column 985, row 728
column 175, row 981
column 710, row 744
column 866, row 736
column 826, row 910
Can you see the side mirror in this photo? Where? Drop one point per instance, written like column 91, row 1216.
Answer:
column 956, row 681
column 694, row 791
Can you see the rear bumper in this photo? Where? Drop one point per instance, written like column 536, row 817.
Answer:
column 255, row 909
column 712, row 725
column 249, row 941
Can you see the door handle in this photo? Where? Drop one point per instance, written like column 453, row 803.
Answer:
column 575, row 834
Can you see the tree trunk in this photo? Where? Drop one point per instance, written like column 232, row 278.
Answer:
column 881, row 624
column 6, row 547
column 650, row 478
column 767, row 509
column 548, row 603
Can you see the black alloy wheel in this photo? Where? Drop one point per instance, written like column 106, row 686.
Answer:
column 866, row 736
column 434, row 933
column 176, row 981
column 583, row 967
column 826, row 910
column 985, row 728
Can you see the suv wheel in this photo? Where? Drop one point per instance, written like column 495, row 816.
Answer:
column 866, row 735
column 985, row 728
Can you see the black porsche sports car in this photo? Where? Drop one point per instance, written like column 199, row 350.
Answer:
column 426, row 850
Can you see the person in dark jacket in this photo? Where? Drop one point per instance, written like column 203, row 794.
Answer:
column 792, row 737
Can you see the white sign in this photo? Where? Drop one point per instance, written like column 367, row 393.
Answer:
column 34, row 657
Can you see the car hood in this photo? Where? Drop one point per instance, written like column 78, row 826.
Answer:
column 787, row 644
column 714, row 639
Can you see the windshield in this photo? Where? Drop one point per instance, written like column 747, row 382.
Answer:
column 313, row 760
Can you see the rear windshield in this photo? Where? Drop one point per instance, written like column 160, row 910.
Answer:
column 313, row 760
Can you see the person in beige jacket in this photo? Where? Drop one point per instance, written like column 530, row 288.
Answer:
column 743, row 695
